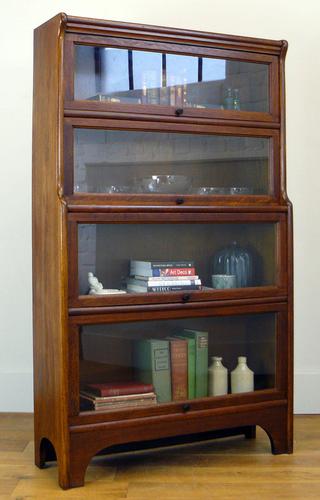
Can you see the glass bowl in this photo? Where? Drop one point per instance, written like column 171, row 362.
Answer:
column 212, row 190
column 159, row 183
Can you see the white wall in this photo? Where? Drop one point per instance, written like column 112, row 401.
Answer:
column 298, row 22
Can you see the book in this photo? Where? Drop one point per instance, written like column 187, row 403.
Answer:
column 168, row 271
column 179, row 368
column 191, row 365
column 151, row 360
column 175, row 288
column 146, row 268
column 165, row 271
column 163, row 282
column 201, row 365
column 160, row 279
column 118, row 388
column 88, row 404
column 116, row 399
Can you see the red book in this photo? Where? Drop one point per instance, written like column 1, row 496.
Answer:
column 179, row 368
column 118, row 388
column 178, row 271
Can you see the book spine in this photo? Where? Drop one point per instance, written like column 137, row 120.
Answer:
column 164, row 282
column 201, row 365
column 167, row 271
column 141, row 267
column 152, row 364
column 176, row 288
column 179, row 369
column 110, row 399
column 145, row 289
column 174, row 271
column 191, row 365
column 160, row 279
column 120, row 391
column 191, row 368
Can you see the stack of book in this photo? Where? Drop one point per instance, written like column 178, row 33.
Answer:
column 176, row 366
column 160, row 276
column 117, row 395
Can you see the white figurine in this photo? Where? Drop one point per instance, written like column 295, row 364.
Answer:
column 96, row 288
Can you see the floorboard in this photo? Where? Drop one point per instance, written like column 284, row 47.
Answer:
column 227, row 468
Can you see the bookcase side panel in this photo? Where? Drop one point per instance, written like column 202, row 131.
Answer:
column 49, row 249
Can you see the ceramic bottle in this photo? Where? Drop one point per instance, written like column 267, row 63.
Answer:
column 242, row 377
column 218, row 377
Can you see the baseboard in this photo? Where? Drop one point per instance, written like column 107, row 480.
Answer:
column 16, row 391
column 306, row 390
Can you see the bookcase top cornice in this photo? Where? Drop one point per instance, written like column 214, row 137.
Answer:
column 91, row 26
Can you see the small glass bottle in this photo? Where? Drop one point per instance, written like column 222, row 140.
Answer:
column 228, row 102
column 236, row 100
column 242, row 378
column 218, row 377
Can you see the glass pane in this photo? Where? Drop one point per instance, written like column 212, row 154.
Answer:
column 144, row 77
column 173, row 257
column 117, row 161
column 129, row 365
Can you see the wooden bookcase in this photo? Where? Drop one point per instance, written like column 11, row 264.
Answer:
column 115, row 103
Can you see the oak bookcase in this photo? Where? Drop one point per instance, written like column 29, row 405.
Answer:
column 116, row 103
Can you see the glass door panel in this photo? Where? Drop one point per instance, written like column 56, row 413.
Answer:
column 126, row 76
column 162, row 258
column 134, row 364
column 122, row 161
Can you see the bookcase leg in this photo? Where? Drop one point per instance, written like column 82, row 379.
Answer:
column 72, row 472
column 44, row 452
column 250, row 432
column 280, row 440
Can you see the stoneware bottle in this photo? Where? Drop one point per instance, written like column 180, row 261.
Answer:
column 218, row 377
column 242, row 377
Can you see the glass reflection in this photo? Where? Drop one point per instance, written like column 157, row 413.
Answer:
column 154, row 78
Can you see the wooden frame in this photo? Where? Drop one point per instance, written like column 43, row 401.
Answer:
column 152, row 314
column 186, row 200
column 71, row 104
column 61, row 431
column 279, row 289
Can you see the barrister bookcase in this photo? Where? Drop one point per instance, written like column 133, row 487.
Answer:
column 156, row 144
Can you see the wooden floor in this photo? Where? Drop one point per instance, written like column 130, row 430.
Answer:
column 225, row 468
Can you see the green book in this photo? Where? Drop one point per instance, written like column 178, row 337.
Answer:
column 191, row 365
column 151, row 358
column 201, row 361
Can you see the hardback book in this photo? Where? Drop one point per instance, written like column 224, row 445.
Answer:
column 87, row 403
column 201, row 365
column 151, row 360
column 158, row 288
column 161, row 279
column 191, row 365
column 146, row 268
column 163, row 282
column 179, row 368
column 116, row 399
column 118, row 388
column 166, row 272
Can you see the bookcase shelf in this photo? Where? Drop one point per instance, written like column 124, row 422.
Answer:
column 182, row 162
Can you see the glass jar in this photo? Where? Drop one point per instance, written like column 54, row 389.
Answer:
column 236, row 260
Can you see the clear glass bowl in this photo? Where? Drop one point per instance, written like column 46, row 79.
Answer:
column 164, row 184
